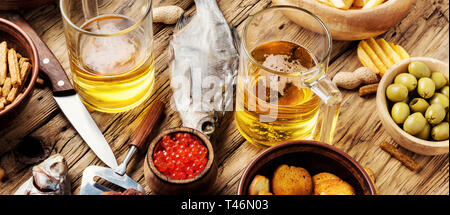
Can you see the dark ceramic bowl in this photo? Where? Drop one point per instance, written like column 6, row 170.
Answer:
column 165, row 185
column 22, row 43
column 315, row 157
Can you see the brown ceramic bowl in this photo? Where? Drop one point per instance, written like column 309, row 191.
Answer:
column 414, row 144
column 21, row 4
column 22, row 43
column 315, row 157
column 165, row 185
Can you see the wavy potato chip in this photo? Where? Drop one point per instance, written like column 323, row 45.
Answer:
column 380, row 55
column 400, row 50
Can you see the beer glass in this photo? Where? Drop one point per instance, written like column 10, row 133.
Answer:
column 283, row 92
column 110, row 44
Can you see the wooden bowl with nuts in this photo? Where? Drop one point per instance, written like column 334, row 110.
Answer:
column 396, row 129
column 19, row 68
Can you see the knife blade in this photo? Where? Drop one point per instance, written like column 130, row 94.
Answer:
column 65, row 95
column 81, row 120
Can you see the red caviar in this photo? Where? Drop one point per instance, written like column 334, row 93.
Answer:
column 180, row 156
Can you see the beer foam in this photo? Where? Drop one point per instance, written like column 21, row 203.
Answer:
column 284, row 64
column 111, row 55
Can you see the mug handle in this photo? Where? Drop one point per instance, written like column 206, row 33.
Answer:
column 317, row 80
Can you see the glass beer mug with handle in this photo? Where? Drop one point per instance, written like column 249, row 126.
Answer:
column 283, row 92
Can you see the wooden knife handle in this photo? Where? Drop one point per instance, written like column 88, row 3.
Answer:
column 140, row 137
column 49, row 64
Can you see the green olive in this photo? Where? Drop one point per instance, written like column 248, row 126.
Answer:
column 435, row 114
column 425, row 133
column 440, row 132
column 426, row 88
column 408, row 80
column 397, row 92
column 414, row 124
column 419, row 70
column 400, row 111
column 439, row 98
column 419, row 105
column 439, row 80
column 445, row 91
column 406, row 100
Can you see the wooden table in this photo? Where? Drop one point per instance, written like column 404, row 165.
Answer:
column 42, row 129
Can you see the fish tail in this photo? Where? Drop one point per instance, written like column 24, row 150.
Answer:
column 236, row 38
column 206, row 4
column 182, row 21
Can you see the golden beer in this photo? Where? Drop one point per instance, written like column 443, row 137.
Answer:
column 268, row 115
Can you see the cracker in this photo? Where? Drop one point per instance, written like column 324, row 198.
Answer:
column 25, row 69
column 2, row 103
column 40, row 82
column 3, row 62
column 18, row 97
column 14, row 70
column 6, row 87
column 12, row 95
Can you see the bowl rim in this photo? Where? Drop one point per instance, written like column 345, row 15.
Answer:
column 35, row 69
column 359, row 12
column 167, row 179
column 384, row 110
column 299, row 143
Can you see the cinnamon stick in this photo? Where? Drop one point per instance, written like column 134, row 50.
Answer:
column 368, row 90
column 400, row 156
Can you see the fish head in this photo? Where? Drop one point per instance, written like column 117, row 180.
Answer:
column 204, row 122
column 50, row 175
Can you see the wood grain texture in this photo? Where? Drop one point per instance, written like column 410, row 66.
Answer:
column 424, row 32
column 21, row 4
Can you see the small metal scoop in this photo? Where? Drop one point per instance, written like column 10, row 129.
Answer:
column 118, row 175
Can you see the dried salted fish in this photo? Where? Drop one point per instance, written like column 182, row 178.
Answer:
column 204, row 67
column 49, row 178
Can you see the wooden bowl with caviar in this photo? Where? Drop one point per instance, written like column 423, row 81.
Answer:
column 180, row 161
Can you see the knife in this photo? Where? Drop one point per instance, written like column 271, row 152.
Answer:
column 66, row 97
